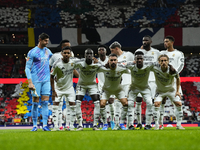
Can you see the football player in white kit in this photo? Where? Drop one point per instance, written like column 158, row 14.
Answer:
column 140, row 75
column 176, row 59
column 87, row 82
column 123, row 57
column 150, row 56
column 103, row 59
column 165, row 88
column 112, row 86
column 53, row 59
column 63, row 70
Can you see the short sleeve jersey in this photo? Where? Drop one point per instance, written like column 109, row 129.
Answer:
column 54, row 58
column 87, row 75
column 150, row 56
column 176, row 59
column 123, row 58
column 64, row 73
column 164, row 80
column 100, row 75
column 139, row 76
column 113, row 78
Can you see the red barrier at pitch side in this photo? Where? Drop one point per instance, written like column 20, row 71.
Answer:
column 18, row 80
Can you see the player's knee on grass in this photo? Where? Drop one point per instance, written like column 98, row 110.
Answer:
column 139, row 99
column 103, row 103
column 111, row 100
column 95, row 97
column 157, row 104
column 178, row 104
column 79, row 97
column 164, row 100
column 72, row 103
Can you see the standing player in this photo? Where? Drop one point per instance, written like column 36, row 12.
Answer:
column 87, row 82
column 53, row 59
column 38, row 74
column 63, row 70
column 150, row 56
column 176, row 59
column 112, row 86
column 165, row 88
column 123, row 57
column 103, row 59
column 140, row 75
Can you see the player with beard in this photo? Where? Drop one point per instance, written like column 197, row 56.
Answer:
column 176, row 59
column 112, row 86
column 150, row 56
column 38, row 75
column 63, row 70
column 87, row 82
column 103, row 59
column 165, row 88
column 123, row 57
column 54, row 58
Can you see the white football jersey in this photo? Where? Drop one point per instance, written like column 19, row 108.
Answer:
column 139, row 76
column 87, row 74
column 123, row 58
column 164, row 80
column 100, row 75
column 54, row 58
column 64, row 73
column 152, row 57
column 176, row 59
column 113, row 78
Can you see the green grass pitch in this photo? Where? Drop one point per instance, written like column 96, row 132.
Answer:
column 167, row 139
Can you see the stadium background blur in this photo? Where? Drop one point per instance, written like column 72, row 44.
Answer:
column 21, row 21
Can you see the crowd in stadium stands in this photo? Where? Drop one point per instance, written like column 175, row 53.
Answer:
column 12, row 67
column 99, row 13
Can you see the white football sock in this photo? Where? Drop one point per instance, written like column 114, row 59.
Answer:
column 79, row 113
column 55, row 115
column 138, row 112
column 96, row 112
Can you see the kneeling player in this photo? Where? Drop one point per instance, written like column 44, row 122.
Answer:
column 112, row 86
column 165, row 81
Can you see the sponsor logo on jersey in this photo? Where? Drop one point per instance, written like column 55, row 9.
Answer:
column 63, row 68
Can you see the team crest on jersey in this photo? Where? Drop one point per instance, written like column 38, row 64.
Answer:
column 152, row 53
column 173, row 55
column 72, row 64
column 124, row 57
